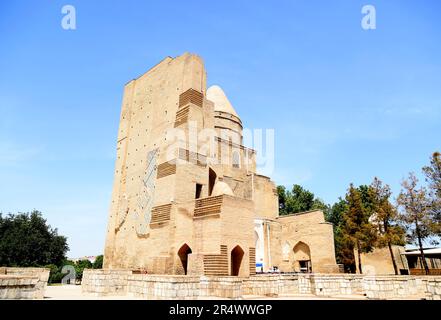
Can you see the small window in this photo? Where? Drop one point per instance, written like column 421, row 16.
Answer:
column 198, row 191
column 236, row 159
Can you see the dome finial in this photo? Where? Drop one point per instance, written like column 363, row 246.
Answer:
column 221, row 102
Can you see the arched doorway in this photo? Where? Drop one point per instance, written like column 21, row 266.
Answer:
column 302, row 257
column 183, row 253
column 211, row 180
column 236, row 260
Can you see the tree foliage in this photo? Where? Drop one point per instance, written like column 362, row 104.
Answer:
column 433, row 178
column 56, row 274
column 385, row 216
column 80, row 265
column 385, row 219
column 344, row 252
column 98, row 263
column 298, row 200
column 416, row 213
column 357, row 232
column 26, row 240
column 416, row 209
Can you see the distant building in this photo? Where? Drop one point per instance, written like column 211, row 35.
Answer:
column 408, row 261
column 379, row 261
column 90, row 258
column 415, row 261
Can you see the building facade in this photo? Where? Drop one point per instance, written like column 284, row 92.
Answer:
column 187, row 198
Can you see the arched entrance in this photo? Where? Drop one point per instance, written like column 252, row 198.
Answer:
column 302, row 257
column 211, row 180
column 183, row 253
column 236, row 260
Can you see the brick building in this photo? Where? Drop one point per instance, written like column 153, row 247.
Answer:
column 187, row 198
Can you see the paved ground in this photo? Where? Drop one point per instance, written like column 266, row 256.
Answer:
column 69, row 292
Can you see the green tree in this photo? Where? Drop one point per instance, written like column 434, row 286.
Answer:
column 298, row 200
column 98, row 263
column 53, row 274
column 281, row 191
column 344, row 251
column 335, row 214
column 80, row 265
column 319, row 204
column 416, row 213
column 357, row 232
column 367, row 199
column 385, row 218
column 26, row 240
column 433, row 177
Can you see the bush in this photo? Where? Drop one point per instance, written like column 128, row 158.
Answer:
column 98, row 263
column 80, row 266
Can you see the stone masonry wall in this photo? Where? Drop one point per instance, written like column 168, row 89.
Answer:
column 163, row 287
column 123, row 282
column 105, row 282
column 433, row 288
column 333, row 285
column 389, row 287
column 23, row 283
column 271, row 285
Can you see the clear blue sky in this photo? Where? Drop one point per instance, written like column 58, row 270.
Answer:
column 346, row 104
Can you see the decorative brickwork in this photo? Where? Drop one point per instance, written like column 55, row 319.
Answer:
column 161, row 214
column 182, row 116
column 208, row 207
column 216, row 264
column 192, row 157
column 191, row 96
column 166, row 169
column 252, row 261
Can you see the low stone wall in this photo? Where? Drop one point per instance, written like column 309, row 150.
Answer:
column 336, row 284
column 318, row 284
column 391, row 287
column 104, row 282
column 433, row 288
column 305, row 284
column 23, row 283
column 163, row 287
column 41, row 273
column 222, row 287
column 271, row 285
column 123, row 282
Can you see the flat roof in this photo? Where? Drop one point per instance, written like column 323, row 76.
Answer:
column 416, row 252
column 299, row 213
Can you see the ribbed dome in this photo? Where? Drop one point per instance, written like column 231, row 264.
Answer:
column 221, row 102
column 221, row 188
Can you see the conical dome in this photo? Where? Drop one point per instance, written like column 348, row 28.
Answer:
column 221, row 102
column 221, row 188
